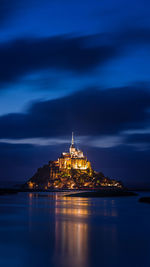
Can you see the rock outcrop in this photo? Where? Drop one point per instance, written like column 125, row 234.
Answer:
column 70, row 179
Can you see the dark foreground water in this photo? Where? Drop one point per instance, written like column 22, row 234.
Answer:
column 43, row 230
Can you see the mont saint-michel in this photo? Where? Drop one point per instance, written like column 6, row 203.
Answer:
column 72, row 170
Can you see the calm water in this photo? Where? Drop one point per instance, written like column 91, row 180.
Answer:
column 52, row 230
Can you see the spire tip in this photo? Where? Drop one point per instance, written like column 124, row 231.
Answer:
column 72, row 139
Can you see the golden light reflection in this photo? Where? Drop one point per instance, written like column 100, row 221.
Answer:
column 71, row 232
column 72, row 206
column 68, row 220
column 73, row 211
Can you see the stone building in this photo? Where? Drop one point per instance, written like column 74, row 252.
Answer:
column 74, row 159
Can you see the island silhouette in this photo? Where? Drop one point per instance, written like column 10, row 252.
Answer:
column 71, row 171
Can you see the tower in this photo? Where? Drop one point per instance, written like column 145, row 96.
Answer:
column 72, row 147
column 72, row 142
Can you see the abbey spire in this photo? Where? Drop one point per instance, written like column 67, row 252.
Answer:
column 72, row 142
column 72, row 147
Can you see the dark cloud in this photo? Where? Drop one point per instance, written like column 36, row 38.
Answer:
column 73, row 54
column 134, row 36
column 90, row 112
column 7, row 7
column 140, row 138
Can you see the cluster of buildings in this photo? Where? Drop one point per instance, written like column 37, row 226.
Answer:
column 72, row 170
column 74, row 159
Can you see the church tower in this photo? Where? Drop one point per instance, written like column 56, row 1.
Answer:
column 72, row 147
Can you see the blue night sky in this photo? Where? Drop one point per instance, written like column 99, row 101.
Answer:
column 81, row 66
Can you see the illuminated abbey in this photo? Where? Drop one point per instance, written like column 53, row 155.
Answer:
column 72, row 170
column 74, row 159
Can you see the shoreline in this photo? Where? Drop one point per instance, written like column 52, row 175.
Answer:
column 73, row 193
column 104, row 194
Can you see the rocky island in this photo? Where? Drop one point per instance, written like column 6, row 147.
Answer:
column 71, row 171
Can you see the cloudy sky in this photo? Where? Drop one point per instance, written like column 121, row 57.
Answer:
column 81, row 66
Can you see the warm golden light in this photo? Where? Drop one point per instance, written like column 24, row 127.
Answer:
column 31, row 185
column 71, row 171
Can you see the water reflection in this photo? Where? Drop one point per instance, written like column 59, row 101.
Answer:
column 72, row 207
column 54, row 231
column 71, row 231
column 70, row 227
column 71, row 243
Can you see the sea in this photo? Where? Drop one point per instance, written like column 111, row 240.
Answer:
column 53, row 230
